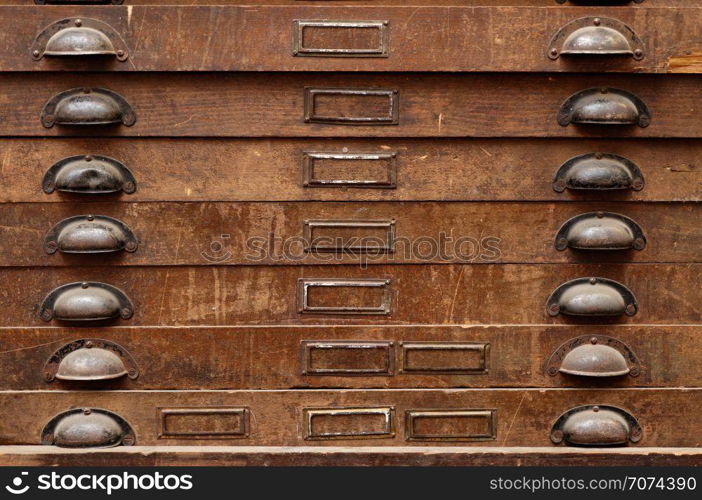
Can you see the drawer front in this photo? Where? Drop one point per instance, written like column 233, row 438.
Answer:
column 354, row 170
column 401, row 294
column 349, row 357
column 337, row 233
column 333, row 38
column 365, row 105
column 662, row 418
column 566, row 4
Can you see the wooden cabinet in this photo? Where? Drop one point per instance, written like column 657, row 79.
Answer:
column 449, row 232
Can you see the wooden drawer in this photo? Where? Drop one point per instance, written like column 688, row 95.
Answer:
column 537, row 3
column 399, row 294
column 349, row 357
column 337, row 233
column 353, row 169
column 359, row 38
column 419, row 456
column 506, row 417
column 350, row 104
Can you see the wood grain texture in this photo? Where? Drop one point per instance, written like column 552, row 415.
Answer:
column 524, row 417
column 427, row 169
column 457, row 38
column 535, row 3
column 425, row 294
column 275, row 234
column 272, row 104
column 272, row 357
column 238, row 456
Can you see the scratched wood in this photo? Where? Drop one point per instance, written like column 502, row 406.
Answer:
column 427, row 169
column 424, row 294
column 430, row 105
column 457, row 38
column 272, row 357
column 523, row 417
column 568, row 4
column 274, row 233
column 238, row 456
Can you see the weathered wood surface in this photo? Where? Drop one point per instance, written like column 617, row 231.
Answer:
column 568, row 4
column 668, row 418
column 425, row 294
column 427, row 169
column 287, row 233
column 457, row 38
column 272, row 104
column 238, row 456
column 273, row 357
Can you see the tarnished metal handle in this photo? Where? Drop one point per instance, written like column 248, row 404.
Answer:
column 593, row 356
column 598, row 172
column 86, row 301
column 604, row 106
column 596, row 425
column 87, row 106
column 592, row 297
column 88, row 360
column 88, row 174
column 90, row 234
column 88, row 428
column 600, row 231
column 596, row 36
column 79, row 37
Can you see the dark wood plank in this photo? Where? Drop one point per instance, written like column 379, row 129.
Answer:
column 288, row 233
column 238, row 456
column 427, row 169
column 535, row 3
column 457, row 38
column 668, row 418
column 430, row 105
column 425, row 294
column 272, row 357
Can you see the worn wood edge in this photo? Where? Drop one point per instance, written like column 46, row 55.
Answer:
column 346, row 456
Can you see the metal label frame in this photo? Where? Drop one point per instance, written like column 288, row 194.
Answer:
column 481, row 347
column 489, row 414
column 309, row 226
column 387, row 432
column 303, row 285
column 299, row 48
column 308, row 170
column 242, row 412
column 307, row 346
column 392, row 117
